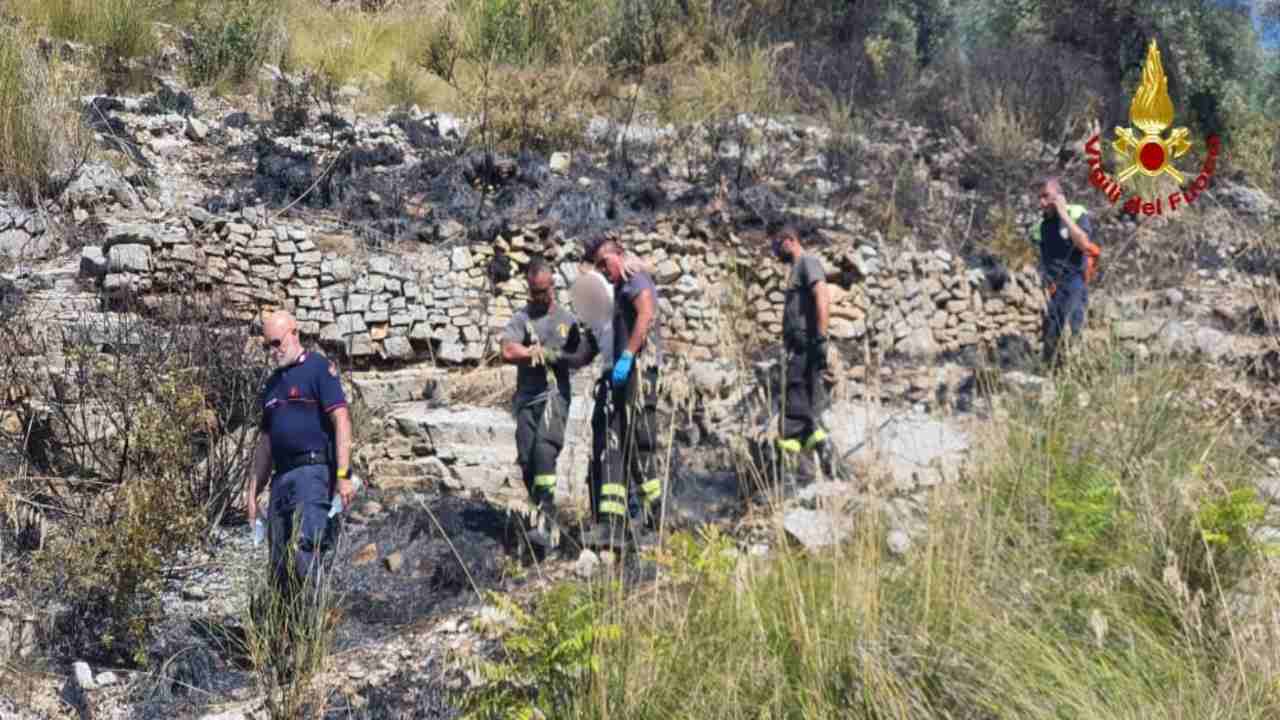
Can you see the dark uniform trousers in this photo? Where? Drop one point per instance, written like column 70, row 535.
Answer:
column 300, row 501
column 804, row 400
column 1066, row 305
column 539, row 438
column 630, row 444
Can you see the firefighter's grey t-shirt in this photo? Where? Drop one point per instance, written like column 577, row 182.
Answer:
column 625, row 314
column 800, row 312
column 557, row 330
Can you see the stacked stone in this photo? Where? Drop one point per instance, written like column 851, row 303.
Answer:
column 23, row 234
column 689, row 271
column 442, row 304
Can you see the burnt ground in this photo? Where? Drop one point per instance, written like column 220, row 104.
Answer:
column 451, row 549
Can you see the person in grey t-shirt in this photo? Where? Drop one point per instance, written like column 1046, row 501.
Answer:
column 629, row 453
column 804, row 337
column 545, row 342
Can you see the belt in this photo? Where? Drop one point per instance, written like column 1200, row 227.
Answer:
column 307, row 457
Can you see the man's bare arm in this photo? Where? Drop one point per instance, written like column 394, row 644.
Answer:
column 259, row 474
column 342, row 434
column 644, row 318
column 1079, row 237
column 822, row 301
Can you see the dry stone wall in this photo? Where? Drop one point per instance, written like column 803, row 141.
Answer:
column 24, row 234
column 447, row 304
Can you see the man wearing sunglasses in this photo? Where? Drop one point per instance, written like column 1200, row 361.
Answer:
column 627, row 461
column 304, row 446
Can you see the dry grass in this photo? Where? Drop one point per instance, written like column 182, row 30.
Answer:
column 42, row 138
column 375, row 51
column 122, row 28
column 1010, row 241
column 1254, row 149
column 484, row 386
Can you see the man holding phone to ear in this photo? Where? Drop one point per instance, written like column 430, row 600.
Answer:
column 1068, row 258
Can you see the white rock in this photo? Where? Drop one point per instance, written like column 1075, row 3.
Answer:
column 899, row 542
column 560, row 163
column 84, row 675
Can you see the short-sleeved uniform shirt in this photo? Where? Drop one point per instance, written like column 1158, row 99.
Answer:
column 1059, row 257
column 800, row 311
column 296, row 403
column 625, row 314
column 557, row 330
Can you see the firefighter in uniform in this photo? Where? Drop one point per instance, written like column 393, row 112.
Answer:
column 629, row 457
column 304, row 448
column 545, row 341
column 804, row 336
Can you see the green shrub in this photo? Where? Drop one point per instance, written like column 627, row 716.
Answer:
column 231, row 39
column 520, row 33
column 547, row 655
column 540, row 105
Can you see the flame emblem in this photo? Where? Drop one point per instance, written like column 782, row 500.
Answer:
column 1151, row 111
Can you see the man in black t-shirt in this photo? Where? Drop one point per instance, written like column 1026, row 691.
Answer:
column 545, row 341
column 804, row 337
column 629, row 456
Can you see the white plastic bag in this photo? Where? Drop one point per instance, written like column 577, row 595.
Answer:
column 593, row 300
column 337, row 499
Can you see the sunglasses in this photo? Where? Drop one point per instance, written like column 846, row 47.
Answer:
column 275, row 344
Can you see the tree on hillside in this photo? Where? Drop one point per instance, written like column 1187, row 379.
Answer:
column 1209, row 50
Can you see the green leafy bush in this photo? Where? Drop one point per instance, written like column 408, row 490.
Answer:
column 230, row 40
column 547, row 655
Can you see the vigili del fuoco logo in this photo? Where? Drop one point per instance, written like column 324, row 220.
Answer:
column 1151, row 153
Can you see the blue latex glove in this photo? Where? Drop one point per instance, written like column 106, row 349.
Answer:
column 622, row 368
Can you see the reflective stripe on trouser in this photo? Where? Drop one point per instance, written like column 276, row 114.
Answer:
column 613, row 499
column 630, row 445
column 539, row 439
column 804, row 400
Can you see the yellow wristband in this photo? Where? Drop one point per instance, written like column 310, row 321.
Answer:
column 342, row 472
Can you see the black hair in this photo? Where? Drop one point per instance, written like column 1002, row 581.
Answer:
column 537, row 266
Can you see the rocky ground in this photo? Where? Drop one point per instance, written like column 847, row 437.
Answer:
column 441, row 526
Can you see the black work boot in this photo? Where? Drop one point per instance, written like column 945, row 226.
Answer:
column 644, row 524
column 831, row 468
column 609, row 532
column 545, row 532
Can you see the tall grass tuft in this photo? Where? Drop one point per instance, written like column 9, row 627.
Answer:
column 230, row 40
column 42, row 138
column 122, row 29
column 288, row 639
